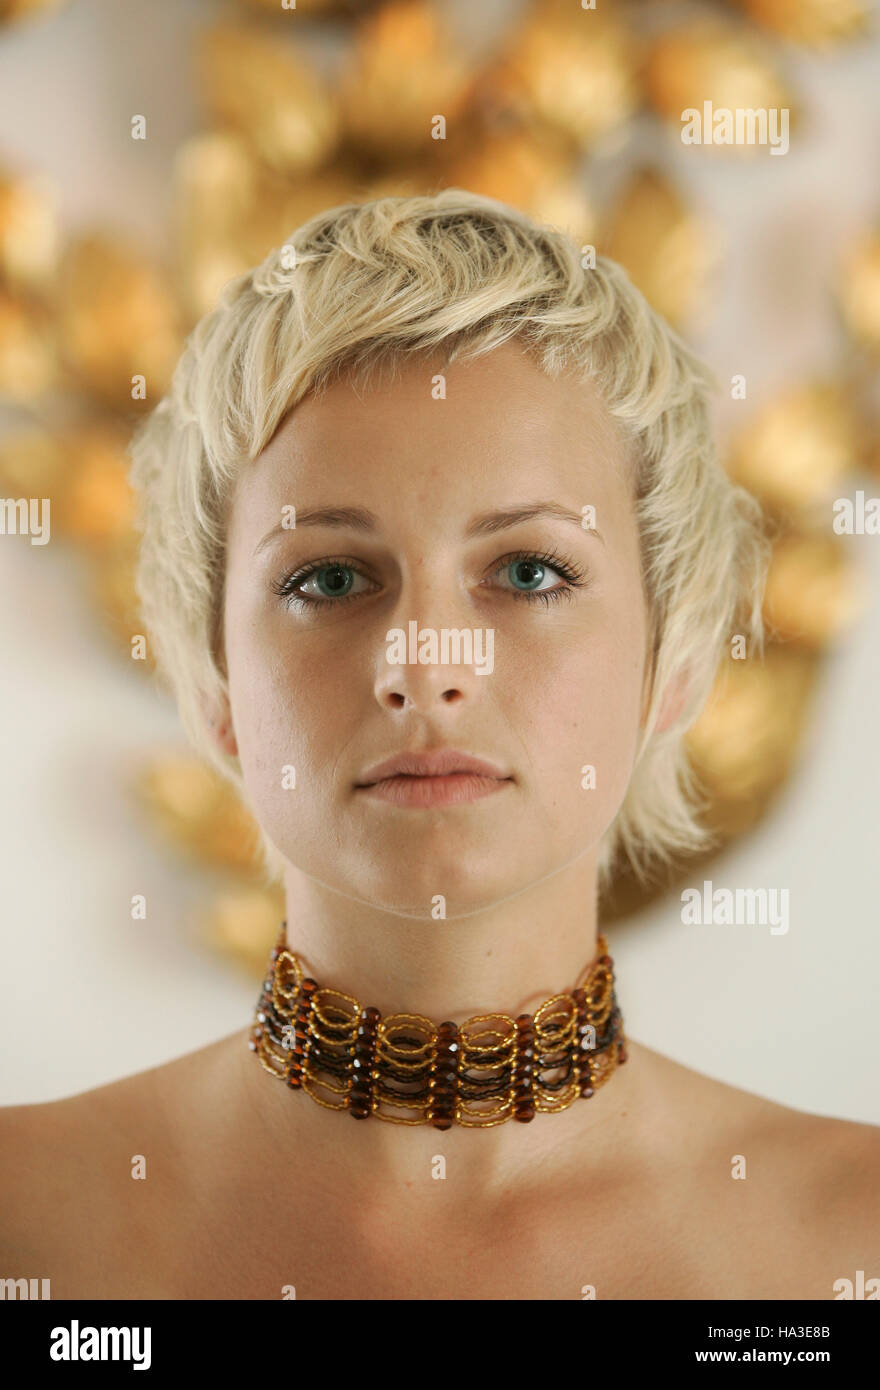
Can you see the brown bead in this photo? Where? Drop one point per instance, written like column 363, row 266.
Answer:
column 360, row 1111
column 524, row 1113
column 442, row 1121
column 585, row 1078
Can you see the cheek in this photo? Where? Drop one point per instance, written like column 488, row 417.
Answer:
column 288, row 703
column 579, row 705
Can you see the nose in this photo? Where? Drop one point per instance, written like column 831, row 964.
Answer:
column 432, row 652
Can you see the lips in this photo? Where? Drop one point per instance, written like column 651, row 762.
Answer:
column 442, row 763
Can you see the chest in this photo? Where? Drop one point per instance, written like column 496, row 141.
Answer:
column 636, row 1254
column 657, row 1241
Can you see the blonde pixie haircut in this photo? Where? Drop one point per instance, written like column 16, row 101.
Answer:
column 369, row 285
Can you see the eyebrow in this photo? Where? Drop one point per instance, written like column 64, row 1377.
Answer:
column 486, row 524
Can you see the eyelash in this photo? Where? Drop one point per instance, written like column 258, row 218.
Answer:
column 574, row 576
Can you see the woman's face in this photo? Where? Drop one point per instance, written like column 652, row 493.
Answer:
column 315, row 701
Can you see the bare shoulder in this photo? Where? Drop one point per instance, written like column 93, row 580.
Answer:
column 78, row 1128
column 792, row 1197
column 53, row 1154
column 71, row 1207
column 818, row 1148
column 51, row 1158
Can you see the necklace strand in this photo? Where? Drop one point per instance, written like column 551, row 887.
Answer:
column 490, row 1069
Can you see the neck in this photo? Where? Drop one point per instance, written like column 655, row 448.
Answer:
column 507, row 958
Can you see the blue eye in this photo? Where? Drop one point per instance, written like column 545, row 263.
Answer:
column 336, row 577
column 532, row 572
column 335, row 580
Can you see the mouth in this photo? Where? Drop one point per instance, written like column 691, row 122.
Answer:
column 442, row 762
column 444, row 777
column 438, row 789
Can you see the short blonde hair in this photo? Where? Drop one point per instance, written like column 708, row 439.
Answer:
column 371, row 284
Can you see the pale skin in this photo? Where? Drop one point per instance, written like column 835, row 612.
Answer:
column 250, row 1188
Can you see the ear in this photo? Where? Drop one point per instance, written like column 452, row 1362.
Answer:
column 673, row 700
column 218, row 717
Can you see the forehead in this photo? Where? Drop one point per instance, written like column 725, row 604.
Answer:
column 488, row 428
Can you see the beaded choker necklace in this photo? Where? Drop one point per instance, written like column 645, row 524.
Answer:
column 490, row 1069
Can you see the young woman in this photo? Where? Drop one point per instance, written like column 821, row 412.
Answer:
column 440, row 565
